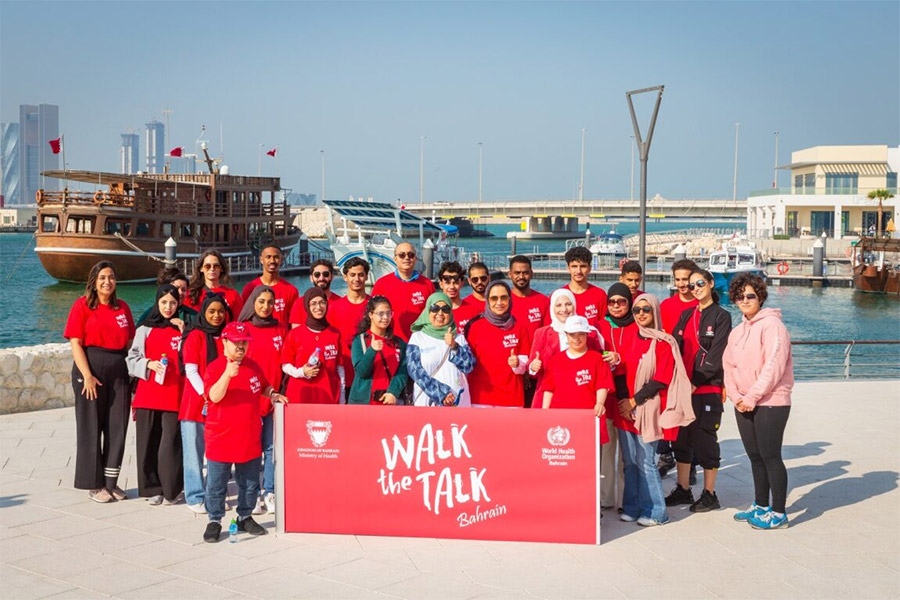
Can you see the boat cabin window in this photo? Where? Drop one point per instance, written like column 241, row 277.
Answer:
column 717, row 260
column 166, row 229
column 746, row 259
column 187, row 230
column 253, row 197
column 120, row 226
column 144, row 228
column 50, row 224
column 79, row 224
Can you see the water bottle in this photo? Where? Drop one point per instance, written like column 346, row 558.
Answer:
column 314, row 358
column 160, row 377
column 233, row 532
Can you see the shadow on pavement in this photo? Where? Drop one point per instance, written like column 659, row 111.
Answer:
column 841, row 492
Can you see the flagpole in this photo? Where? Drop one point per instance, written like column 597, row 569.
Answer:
column 276, row 161
column 62, row 140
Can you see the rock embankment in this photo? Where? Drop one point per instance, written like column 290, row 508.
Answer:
column 35, row 378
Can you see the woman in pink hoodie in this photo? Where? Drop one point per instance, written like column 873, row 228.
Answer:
column 759, row 376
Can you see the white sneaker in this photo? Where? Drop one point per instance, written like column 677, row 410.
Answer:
column 260, row 508
column 199, row 508
column 627, row 518
column 648, row 522
column 270, row 502
column 155, row 500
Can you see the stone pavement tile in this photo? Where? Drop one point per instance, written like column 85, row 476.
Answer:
column 890, row 560
column 57, row 476
column 274, row 582
column 57, row 496
column 188, row 532
column 530, row 577
column 94, row 510
column 179, row 587
column 24, row 514
column 216, row 567
column 503, row 595
column 117, row 578
column 451, row 559
column 730, row 583
column 846, row 583
column 63, row 527
column 160, row 553
column 701, row 549
column 305, row 558
column 23, row 585
column 334, row 542
column 77, row 594
column 25, row 545
column 438, row 587
column 155, row 518
column 326, row 590
column 366, row 573
column 111, row 538
column 64, row 563
column 513, row 554
column 261, row 547
column 691, row 591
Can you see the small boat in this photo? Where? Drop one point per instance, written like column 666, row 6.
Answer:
column 876, row 265
column 724, row 264
column 609, row 244
column 372, row 230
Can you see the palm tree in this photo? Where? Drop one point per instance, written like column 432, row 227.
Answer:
column 882, row 195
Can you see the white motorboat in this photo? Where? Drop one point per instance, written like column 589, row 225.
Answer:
column 609, row 244
column 724, row 264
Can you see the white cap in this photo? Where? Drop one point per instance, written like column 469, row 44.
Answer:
column 576, row 324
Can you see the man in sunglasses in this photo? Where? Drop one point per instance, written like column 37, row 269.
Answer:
column 450, row 279
column 285, row 294
column 321, row 273
column 590, row 300
column 474, row 303
column 345, row 313
column 671, row 308
column 406, row 288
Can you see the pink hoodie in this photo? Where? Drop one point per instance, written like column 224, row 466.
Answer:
column 758, row 366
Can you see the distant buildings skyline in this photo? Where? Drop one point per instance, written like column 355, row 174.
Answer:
column 9, row 162
column 130, row 153
column 155, row 144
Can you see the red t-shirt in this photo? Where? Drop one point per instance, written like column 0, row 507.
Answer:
column 232, row 299
column 407, row 299
column 532, row 311
column 193, row 350
column 590, row 304
column 575, row 382
column 492, row 381
column 167, row 395
column 102, row 327
column 324, row 388
column 233, row 425
column 381, row 376
column 285, row 296
column 265, row 350
column 345, row 317
column 298, row 310
column 665, row 370
column 465, row 312
column 670, row 311
column 546, row 344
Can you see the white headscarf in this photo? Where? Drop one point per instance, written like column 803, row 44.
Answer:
column 555, row 323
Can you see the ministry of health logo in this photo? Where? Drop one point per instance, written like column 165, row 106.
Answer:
column 558, row 436
column 320, row 430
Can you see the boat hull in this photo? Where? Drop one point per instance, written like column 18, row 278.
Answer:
column 884, row 281
column 723, row 279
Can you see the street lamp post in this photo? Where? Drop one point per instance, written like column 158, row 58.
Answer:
column 479, row 171
column 323, row 174
column 422, row 169
column 737, row 129
column 631, row 138
column 259, row 161
column 775, row 178
column 581, row 180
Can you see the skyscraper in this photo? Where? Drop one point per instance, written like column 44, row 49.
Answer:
column 37, row 126
column 9, row 163
column 130, row 153
column 156, row 147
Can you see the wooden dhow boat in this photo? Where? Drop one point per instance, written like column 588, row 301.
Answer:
column 129, row 222
column 876, row 265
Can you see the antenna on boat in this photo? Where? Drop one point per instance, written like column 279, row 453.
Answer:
column 204, row 147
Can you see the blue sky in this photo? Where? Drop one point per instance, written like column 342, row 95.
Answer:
column 364, row 81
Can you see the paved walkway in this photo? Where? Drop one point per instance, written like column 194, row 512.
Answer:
column 841, row 448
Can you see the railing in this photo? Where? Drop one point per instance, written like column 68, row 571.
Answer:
column 250, row 263
column 66, row 197
column 846, row 359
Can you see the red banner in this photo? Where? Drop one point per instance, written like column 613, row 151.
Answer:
column 488, row 474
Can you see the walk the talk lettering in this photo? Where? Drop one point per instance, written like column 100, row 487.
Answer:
column 441, row 487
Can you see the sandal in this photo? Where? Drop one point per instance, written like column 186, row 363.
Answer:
column 119, row 494
column 102, row 496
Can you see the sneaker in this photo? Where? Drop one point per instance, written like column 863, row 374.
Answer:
column 769, row 520
column 627, row 518
column 175, row 500
column 102, row 496
column 260, row 508
column 250, row 526
column 648, row 522
column 692, row 478
column 211, row 535
column 679, row 496
column 665, row 464
column 199, row 508
column 269, row 499
column 706, row 502
column 119, row 494
column 754, row 511
column 155, row 500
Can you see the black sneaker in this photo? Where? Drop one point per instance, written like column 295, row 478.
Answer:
column 665, row 464
column 250, row 526
column 679, row 496
column 692, row 479
column 213, row 529
column 706, row 502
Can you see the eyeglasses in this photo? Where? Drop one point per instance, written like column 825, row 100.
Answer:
column 384, row 314
column 435, row 309
column 321, row 274
column 641, row 309
column 748, row 297
column 450, row 279
column 617, row 302
column 212, row 267
column 702, row 283
column 317, row 303
column 479, row 279
column 406, row 255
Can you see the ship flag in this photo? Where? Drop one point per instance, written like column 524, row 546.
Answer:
column 272, row 151
column 55, row 145
column 176, row 151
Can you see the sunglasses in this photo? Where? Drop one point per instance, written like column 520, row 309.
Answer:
column 384, row 314
column 699, row 284
column 479, row 279
column 450, row 279
column 406, row 255
column 641, row 309
column 215, row 267
column 321, row 274
column 435, row 309
column 617, row 302
column 742, row 297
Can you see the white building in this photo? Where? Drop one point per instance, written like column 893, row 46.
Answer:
column 829, row 193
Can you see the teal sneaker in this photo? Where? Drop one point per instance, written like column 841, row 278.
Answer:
column 754, row 511
column 769, row 520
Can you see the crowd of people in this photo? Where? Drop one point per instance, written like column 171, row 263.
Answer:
column 202, row 369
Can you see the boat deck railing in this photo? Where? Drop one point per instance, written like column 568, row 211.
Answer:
column 193, row 206
column 250, row 263
column 846, row 359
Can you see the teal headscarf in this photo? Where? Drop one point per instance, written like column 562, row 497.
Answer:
column 423, row 323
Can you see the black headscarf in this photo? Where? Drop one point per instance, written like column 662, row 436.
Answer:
column 154, row 318
column 203, row 325
column 620, row 289
column 312, row 322
column 506, row 320
column 248, row 313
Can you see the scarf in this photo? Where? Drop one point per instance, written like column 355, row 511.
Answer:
column 203, row 325
column 423, row 322
column 620, row 289
column 679, row 410
column 555, row 323
column 248, row 313
column 311, row 322
column 504, row 321
column 154, row 318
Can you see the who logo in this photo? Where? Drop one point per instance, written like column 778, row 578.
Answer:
column 558, row 436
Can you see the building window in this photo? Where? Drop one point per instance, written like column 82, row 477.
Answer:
column 791, row 223
column 891, row 182
column 821, row 221
column 841, row 183
column 809, row 182
column 870, row 218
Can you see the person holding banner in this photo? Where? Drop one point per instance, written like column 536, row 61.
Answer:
column 500, row 345
column 379, row 358
column 657, row 404
column 437, row 358
column 312, row 355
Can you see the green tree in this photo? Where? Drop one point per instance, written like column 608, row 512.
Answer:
column 882, row 195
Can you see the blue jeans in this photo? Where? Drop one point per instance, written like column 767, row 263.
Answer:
column 268, row 446
column 246, row 475
column 643, row 496
column 193, row 447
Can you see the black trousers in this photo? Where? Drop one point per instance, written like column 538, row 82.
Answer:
column 699, row 441
column 530, row 389
column 159, row 463
column 101, row 424
column 762, row 432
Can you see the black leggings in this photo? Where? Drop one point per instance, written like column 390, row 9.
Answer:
column 762, row 432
